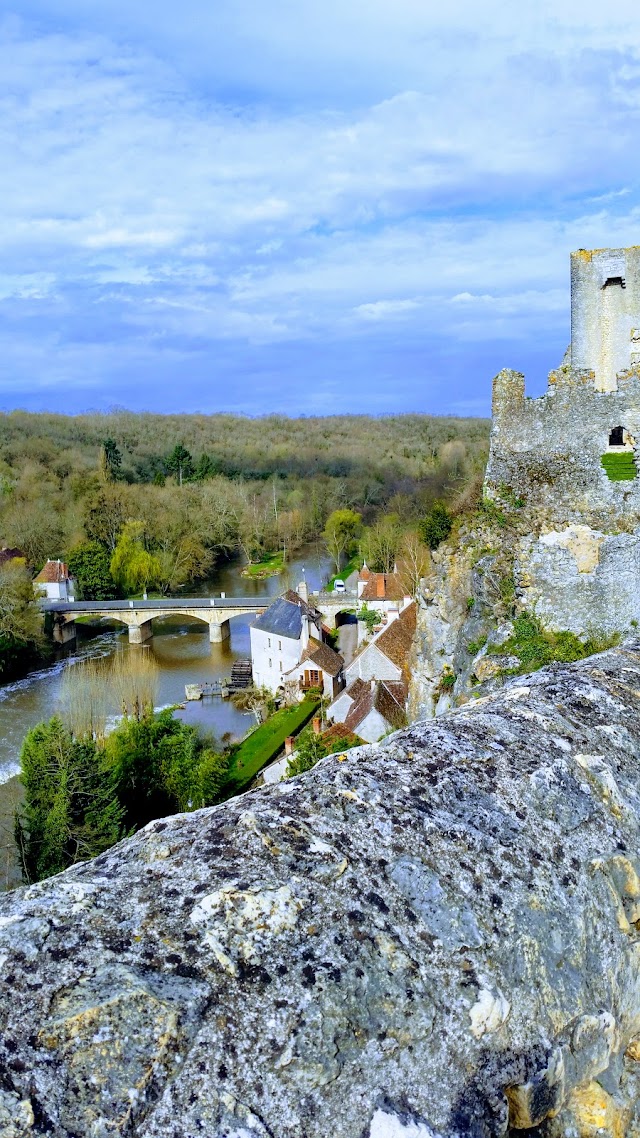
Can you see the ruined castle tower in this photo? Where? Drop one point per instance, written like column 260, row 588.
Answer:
column 605, row 313
column 572, row 456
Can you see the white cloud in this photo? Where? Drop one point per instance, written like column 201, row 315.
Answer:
column 435, row 179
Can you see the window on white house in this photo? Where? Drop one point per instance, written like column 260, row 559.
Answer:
column 269, row 663
column 279, row 646
column 268, row 641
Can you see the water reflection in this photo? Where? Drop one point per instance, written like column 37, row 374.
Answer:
column 181, row 648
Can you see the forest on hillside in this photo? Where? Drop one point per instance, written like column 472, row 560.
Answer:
column 176, row 493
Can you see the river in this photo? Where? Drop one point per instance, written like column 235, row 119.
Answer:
column 181, row 648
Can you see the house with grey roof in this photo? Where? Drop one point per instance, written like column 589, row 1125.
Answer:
column 288, row 649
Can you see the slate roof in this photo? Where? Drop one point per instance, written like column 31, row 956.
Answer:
column 52, row 573
column 282, row 618
column 356, row 689
column 323, row 656
column 383, row 587
column 304, row 606
column 386, row 697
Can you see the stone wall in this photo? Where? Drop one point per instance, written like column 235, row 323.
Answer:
column 547, row 450
column 434, row 936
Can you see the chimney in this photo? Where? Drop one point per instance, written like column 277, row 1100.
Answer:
column 392, row 614
column 380, row 589
column 303, row 590
column 288, row 745
column 316, row 725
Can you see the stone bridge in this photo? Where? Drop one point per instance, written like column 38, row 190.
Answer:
column 216, row 612
column 138, row 616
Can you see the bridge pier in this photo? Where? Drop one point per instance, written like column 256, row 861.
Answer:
column 219, row 632
column 140, row 633
column 64, row 631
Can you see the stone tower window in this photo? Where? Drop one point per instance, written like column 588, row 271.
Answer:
column 615, row 281
column 616, row 437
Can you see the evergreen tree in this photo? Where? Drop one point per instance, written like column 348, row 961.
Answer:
column 180, row 463
column 435, row 527
column 111, row 460
column 89, row 566
column 70, row 810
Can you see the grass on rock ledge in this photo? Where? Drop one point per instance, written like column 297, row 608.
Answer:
column 536, row 646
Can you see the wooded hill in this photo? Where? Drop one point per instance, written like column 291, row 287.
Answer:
column 199, row 486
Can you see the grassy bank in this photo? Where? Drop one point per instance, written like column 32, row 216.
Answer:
column 270, row 564
column 267, row 741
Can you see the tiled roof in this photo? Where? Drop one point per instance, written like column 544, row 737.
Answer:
column 396, row 639
column 324, row 656
column 282, row 618
column 52, row 573
column 338, row 732
column 388, row 699
column 383, row 587
column 356, row 689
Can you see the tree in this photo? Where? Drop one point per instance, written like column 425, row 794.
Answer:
column 435, row 527
column 371, row 617
column 414, row 563
column 132, row 567
column 105, row 514
column 381, row 542
column 89, row 566
column 21, row 636
column 70, row 811
column 340, row 534
column 180, row 462
column 110, row 460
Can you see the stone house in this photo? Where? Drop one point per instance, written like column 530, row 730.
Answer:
column 288, row 649
column 53, row 582
column 386, row 656
column 370, row 709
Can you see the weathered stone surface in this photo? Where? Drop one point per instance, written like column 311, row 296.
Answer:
column 434, row 936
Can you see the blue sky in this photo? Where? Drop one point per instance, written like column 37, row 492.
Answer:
column 305, row 207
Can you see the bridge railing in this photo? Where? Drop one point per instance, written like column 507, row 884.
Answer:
column 251, row 604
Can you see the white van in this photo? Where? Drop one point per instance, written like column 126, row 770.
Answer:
column 338, row 586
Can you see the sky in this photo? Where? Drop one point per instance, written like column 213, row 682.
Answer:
column 304, row 207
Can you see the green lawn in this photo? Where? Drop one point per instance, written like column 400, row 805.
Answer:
column 351, row 566
column 270, row 564
column 266, row 741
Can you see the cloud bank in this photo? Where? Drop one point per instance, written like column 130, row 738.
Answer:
column 303, row 207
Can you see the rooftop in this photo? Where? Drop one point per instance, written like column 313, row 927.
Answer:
column 283, row 618
column 52, row 573
column 325, row 657
column 383, row 587
column 384, row 696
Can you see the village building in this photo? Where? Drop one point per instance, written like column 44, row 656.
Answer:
column 374, row 699
column 386, row 656
column 53, row 582
column 288, row 649
column 370, row 709
column 382, row 589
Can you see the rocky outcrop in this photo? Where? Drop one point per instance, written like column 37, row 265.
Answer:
column 434, row 936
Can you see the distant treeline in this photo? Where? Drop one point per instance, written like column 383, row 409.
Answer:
column 168, row 495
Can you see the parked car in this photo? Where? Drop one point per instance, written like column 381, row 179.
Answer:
column 338, row 586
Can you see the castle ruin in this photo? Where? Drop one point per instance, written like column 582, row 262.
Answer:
column 572, row 456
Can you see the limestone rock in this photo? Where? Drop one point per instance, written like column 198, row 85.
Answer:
column 435, row 937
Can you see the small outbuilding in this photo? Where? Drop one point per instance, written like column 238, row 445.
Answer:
column 53, row 582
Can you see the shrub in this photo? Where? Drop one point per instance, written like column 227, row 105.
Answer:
column 435, row 527
column 536, row 646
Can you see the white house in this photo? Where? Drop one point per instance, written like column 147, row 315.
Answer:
column 53, row 582
column 287, row 648
column 386, row 657
column 371, row 708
